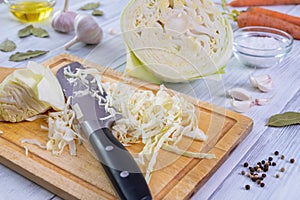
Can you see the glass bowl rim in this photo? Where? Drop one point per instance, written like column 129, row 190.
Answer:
column 264, row 31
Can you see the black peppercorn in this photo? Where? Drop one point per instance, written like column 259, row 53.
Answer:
column 247, row 187
column 273, row 163
column 262, row 184
column 276, row 153
column 264, row 175
column 246, row 164
column 270, row 158
column 282, row 157
column 243, row 172
column 292, row 160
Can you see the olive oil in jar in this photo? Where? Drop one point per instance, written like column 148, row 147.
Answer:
column 31, row 11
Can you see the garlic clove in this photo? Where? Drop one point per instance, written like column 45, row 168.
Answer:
column 63, row 21
column 241, row 106
column 265, row 86
column 263, row 82
column 253, row 81
column 87, row 31
column 240, row 94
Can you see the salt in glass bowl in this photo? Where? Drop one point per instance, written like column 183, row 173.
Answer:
column 261, row 47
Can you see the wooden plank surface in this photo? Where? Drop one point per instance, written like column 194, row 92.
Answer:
column 70, row 177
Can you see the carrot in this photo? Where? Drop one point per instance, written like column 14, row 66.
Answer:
column 279, row 15
column 241, row 3
column 259, row 19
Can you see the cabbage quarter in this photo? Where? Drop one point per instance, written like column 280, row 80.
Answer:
column 175, row 40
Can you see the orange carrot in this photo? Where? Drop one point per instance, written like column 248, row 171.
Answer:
column 279, row 15
column 258, row 19
column 241, row 3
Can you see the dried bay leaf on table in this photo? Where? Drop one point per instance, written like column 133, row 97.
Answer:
column 20, row 56
column 90, row 6
column 8, row 46
column 24, row 32
column 284, row 119
column 39, row 32
column 97, row 13
column 31, row 30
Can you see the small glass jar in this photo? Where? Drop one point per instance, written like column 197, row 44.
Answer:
column 259, row 46
column 31, row 10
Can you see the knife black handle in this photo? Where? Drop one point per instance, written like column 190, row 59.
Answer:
column 119, row 166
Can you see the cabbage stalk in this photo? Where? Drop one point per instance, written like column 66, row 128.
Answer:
column 175, row 40
column 29, row 91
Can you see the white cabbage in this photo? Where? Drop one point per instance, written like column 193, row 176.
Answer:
column 28, row 92
column 175, row 40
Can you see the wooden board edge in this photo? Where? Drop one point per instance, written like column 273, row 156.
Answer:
column 240, row 123
column 27, row 167
column 242, row 127
column 180, row 189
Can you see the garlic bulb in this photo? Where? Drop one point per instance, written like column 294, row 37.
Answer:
column 63, row 21
column 87, row 31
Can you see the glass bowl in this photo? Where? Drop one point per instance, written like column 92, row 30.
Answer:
column 31, row 10
column 262, row 47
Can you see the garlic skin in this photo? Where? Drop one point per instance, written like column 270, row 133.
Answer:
column 241, row 106
column 262, row 102
column 263, row 82
column 239, row 94
column 63, row 21
column 87, row 31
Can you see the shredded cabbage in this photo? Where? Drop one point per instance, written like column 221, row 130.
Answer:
column 175, row 40
column 61, row 131
column 157, row 120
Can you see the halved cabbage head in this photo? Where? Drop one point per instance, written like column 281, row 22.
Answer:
column 175, row 40
column 28, row 92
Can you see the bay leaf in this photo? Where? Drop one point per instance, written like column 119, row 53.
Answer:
column 8, row 46
column 39, row 32
column 90, row 6
column 20, row 56
column 97, row 13
column 24, row 32
column 284, row 119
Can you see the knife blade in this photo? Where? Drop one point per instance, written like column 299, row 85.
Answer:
column 95, row 123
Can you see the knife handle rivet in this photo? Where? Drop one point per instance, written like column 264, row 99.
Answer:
column 109, row 148
column 124, row 174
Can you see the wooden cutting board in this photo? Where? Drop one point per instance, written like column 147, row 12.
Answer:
column 81, row 176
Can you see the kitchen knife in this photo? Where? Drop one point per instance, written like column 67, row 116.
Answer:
column 95, row 122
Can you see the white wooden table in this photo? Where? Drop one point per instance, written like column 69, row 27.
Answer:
column 227, row 183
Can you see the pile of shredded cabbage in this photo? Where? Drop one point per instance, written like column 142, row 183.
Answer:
column 157, row 120
column 61, row 131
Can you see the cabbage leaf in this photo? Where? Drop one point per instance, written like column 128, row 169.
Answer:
column 28, row 92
